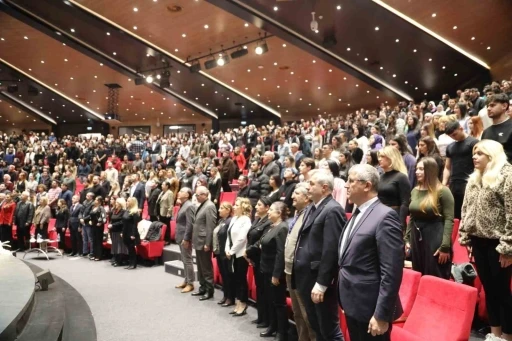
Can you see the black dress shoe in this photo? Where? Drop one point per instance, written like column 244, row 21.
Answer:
column 228, row 304
column 206, row 297
column 130, row 267
column 198, row 293
column 222, row 301
column 262, row 325
column 268, row 333
column 256, row 321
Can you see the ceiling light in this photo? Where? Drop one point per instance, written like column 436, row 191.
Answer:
column 42, row 61
column 114, row 53
column 246, row 25
column 406, row 82
column 357, row 85
column 275, row 63
column 394, row 75
column 414, row 50
column 284, row 45
column 72, row 30
column 398, row 40
column 184, row 35
column 314, row 61
column 71, row 78
column 2, row 39
column 382, row 67
column 488, row 47
column 434, row 15
column 338, row 7
column 248, row 70
column 306, row 81
column 444, row 67
column 344, row 78
column 206, row 27
column 416, row 88
column 135, row 9
column 275, row 8
column 65, row 60
column 454, row 27
column 157, row 77
column 348, row 48
column 291, row 73
column 108, row 33
column 25, row 37
column 377, row 28
column 149, row 79
column 455, row 75
column 472, row 38
column 95, row 76
column 262, row 48
column 319, row 88
column 134, row 27
column 330, row 70
column 264, row 79
column 222, row 60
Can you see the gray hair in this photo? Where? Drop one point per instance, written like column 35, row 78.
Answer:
column 366, row 173
column 188, row 191
column 302, row 188
column 323, row 177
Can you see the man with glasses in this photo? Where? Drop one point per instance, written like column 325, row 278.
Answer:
column 459, row 163
column 202, row 241
column 371, row 258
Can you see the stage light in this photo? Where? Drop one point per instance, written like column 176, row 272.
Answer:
column 158, row 76
column 223, row 60
column 139, row 80
column 210, row 64
column 261, row 48
column 196, row 67
column 239, row 53
column 149, row 79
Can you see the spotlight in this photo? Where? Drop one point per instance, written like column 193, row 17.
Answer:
column 210, row 64
column 164, row 79
column 261, row 48
column 196, row 67
column 223, row 60
column 13, row 88
column 139, row 80
column 149, row 79
column 239, row 53
column 158, row 76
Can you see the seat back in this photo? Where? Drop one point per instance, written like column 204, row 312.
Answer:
column 143, row 228
column 175, row 210
column 408, row 291
column 348, row 215
column 229, row 197
column 162, row 233
column 439, row 300
column 455, row 231
column 460, row 253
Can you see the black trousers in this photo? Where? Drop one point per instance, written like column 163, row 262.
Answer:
column 76, row 239
column 323, row 317
column 97, row 241
column 225, row 185
column 359, row 331
column 132, row 253
column 242, row 290
column 23, row 236
column 62, row 234
column 42, row 229
column 496, row 282
column 275, row 303
column 153, row 218
column 260, row 294
column 6, row 233
column 458, row 189
column 228, row 277
column 167, row 222
column 205, row 271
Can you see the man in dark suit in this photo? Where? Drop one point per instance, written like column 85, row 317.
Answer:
column 138, row 191
column 315, row 265
column 202, row 241
column 74, row 226
column 184, row 227
column 155, row 149
column 152, row 201
column 371, row 260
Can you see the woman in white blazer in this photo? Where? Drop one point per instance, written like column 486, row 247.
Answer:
column 235, row 250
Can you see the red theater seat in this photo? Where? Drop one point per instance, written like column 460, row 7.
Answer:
column 175, row 211
column 251, row 283
column 152, row 250
column 408, row 290
column 343, row 325
column 443, row 310
column 460, row 253
column 173, row 230
column 216, row 272
column 229, row 197
column 349, row 215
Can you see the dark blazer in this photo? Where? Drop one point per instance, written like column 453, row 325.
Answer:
column 130, row 222
column 185, row 221
column 316, row 251
column 116, row 220
column 24, row 213
column 371, row 266
column 152, row 202
column 204, row 224
column 252, row 249
column 74, row 215
column 222, row 235
column 140, row 194
column 272, row 250
column 214, row 187
column 62, row 218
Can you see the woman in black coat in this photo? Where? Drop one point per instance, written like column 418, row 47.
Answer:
column 61, row 221
column 119, row 250
column 131, row 237
column 98, row 218
column 220, row 236
column 252, row 254
column 272, row 266
column 214, row 185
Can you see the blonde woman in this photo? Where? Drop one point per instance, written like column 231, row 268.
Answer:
column 115, row 227
column 114, row 189
column 235, row 250
column 130, row 234
column 394, row 186
column 486, row 229
column 42, row 217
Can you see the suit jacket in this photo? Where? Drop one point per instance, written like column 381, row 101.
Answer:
column 272, row 250
column 271, row 168
column 316, row 251
column 185, row 221
column 156, row 150
column 166, row 204
column 74, row 215
column 140, row 194
column 371, row 266
column 204, row 224
column 152, row 201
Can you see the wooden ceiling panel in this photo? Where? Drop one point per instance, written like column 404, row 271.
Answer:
column 16, row 118
column 80, row 77
column 304, row 76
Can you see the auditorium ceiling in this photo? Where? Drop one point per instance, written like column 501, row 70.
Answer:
column 72, row 49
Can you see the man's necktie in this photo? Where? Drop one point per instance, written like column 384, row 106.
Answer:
column 348, row 231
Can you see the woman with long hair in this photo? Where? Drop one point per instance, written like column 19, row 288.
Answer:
column 114, row 189
column 130, row 234
column 429, row 231
column 42, row 217
column 62, row 222
column 7, row 218
column 97, row 221
column 215, row 185
column 412, row 132
column 346, row 162
column 317, row 156
column 372, row 159
column 475, row 127
column 272, row 245
column 400, row 143
column 428, row 147
column 486, row 229
column 21, row 184
column 275, row 183
column 253, row 254
column 394, row 186
column 461, row 110
column 235, row 250
column 220, row 237
column 119, row 250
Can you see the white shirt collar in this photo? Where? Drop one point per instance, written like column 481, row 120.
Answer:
column 367, row 204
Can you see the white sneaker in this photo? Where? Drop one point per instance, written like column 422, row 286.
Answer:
column 492, row 337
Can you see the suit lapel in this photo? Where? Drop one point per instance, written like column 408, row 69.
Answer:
column 310, row 217
column 356, row 228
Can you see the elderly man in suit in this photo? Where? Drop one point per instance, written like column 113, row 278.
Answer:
column 371, row 258
column 74, row 226
column 202, row 241
column 152, row 201
column 23, row 219
column 138, row 191
column 315, row 265
column 270, row 167
column 184, row 228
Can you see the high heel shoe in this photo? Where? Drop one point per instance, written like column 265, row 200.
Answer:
column 242, row 313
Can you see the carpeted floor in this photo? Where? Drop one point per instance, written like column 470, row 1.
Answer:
column 142, row 304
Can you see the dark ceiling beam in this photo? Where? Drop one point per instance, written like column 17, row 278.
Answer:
column 264, row 22
column 30, row 109
column 47, row 28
